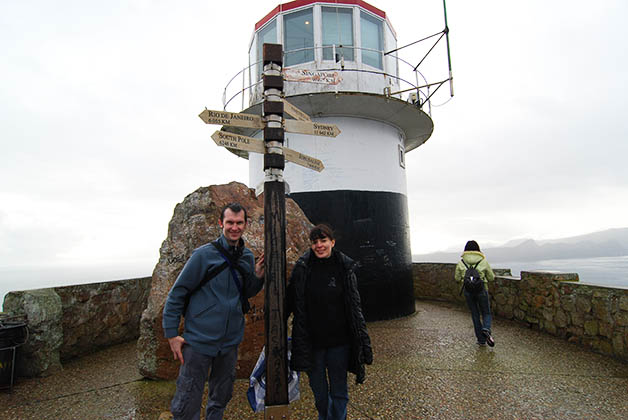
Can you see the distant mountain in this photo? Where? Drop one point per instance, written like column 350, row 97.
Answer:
column 607, row 243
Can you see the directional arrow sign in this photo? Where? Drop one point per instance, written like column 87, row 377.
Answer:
column 303, row 160
column 250, row 144
column 314, row 128
column 231, row 118
column 255, row 121
column 295, row 112
column 236, row 141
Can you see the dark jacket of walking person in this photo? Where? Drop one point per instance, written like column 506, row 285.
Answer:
column 329, row 335
column 478, row 302
column 214, row 320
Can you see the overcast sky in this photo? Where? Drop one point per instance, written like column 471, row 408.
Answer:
column 101, row 139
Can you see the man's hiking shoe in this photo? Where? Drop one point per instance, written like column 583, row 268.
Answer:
column 489, row 338
column 481, row 344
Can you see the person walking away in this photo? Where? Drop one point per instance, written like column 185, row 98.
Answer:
column 211, row 293
column 329, row 335
column 472, row 264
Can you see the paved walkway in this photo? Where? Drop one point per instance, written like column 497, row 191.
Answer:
column 427, row 366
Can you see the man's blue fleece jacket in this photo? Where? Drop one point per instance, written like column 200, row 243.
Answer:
column 214, row 319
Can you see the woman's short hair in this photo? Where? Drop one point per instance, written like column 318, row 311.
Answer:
column 321, row 231
column 472, row 246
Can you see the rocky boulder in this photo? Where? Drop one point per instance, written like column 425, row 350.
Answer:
column 194, row 223
column 41, row 308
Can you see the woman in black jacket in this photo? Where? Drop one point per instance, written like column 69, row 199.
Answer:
column 329, row 335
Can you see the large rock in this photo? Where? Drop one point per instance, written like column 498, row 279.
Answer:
column 194, row 223
column 42, row 309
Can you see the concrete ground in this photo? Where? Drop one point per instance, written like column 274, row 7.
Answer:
column 427, row 366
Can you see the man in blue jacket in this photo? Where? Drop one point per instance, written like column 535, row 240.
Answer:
column 214, row 322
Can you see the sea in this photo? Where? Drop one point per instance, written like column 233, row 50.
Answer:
column 604, row 271
column 25, row 278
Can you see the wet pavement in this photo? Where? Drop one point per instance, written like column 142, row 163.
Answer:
column 427, row 366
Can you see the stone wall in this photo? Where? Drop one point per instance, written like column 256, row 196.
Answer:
column 591, row 315
column 71, row 321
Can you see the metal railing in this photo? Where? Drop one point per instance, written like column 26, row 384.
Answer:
column 420, row 91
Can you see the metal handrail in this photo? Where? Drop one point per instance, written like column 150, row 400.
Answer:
column 423, row 90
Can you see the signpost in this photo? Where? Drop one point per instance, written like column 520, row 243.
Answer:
column 231, row 118
column 238, row 142
column 314, row 128
column 274, row 125
column 250, row 144
column 295, row 112
column 300, row 126
column 303, row 160
column 276, row 331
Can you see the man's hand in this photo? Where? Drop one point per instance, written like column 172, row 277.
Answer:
column 176, row 344
column 259, row 267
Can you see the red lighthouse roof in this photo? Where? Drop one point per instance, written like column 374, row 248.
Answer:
column 300, row 3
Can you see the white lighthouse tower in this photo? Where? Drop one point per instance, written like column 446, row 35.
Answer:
column 338, row 71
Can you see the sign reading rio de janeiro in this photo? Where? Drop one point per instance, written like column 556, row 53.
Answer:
column 302, row 125
column 255, row 121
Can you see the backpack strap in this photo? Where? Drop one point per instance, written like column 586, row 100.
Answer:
column 210, row 274
column 462, row 288
column 233, row 264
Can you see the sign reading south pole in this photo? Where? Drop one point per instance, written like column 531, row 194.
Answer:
column 238, row 142
column 250, row 144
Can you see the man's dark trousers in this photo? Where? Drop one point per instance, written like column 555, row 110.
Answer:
column 186, row 404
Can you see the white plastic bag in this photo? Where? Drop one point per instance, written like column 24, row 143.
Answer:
column 257, row 382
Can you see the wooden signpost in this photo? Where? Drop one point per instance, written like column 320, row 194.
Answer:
column 299, row 126
column 274, row 125
column 295, row 112
column 238, row 142
column 313, row 128
column 303, row 160
column 250, row 144
column 231, row 118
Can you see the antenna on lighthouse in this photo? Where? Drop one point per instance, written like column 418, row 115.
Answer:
column 451, row 77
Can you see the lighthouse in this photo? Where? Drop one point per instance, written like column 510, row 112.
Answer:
column 341, row 67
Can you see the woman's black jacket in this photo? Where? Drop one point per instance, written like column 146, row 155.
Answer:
column 361, row 351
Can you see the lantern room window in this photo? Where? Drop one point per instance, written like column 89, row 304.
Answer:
column 372, row 40
column 322, row 33
column 298, row 37
column 267, row 35
column 338, row 31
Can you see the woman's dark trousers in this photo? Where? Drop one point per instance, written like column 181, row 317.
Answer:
column 480, row 308
column 330, row 396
